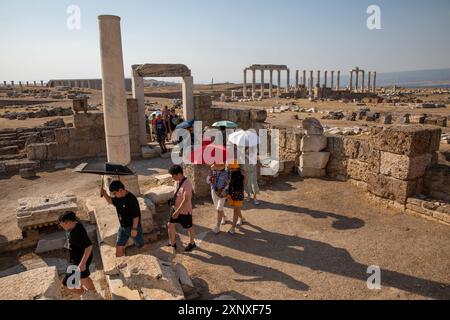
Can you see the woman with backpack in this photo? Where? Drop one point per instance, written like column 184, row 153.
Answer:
column 235, row 198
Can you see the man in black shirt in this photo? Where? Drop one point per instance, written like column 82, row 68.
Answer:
column 80, row 255
column 129, row 213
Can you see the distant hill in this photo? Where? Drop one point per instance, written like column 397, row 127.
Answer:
column 420, row 78
column 158, row 84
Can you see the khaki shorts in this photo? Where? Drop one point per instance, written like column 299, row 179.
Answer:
column 219, row 203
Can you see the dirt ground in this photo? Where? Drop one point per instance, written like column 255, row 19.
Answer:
column 315, row 239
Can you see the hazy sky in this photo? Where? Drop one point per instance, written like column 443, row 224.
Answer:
column 219, row 38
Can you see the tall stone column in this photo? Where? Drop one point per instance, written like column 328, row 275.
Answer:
column 114, row 98
column 262, row 83
column 137, row 88
column 311, row 79
column 357, row 80
column 304, row 78
column 338, row 80
column 326, row 78
column 332, row 80
column 253, row 83
column 288, row 75
column 374, row 82
column 188, row 98
column 350, row 85
column 12, row 83
column 34, row 83
column 42, row 83
column 362, row 81
column 368, row 81
column 270, row 83
column 279, row 83
column 296, row 80
column 244, row 89
column 318, row 78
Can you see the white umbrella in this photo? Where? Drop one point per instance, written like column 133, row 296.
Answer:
column 244, row 138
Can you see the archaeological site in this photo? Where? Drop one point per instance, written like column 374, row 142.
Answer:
column 349, row 196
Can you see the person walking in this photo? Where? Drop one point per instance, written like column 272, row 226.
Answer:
column 181, row 209
column 250, row 172
column 129, row 214
column 161, row 133
column 218, row 180
column 80, row 255
column 235, row 198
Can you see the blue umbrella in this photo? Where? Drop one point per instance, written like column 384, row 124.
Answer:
column 185, row 124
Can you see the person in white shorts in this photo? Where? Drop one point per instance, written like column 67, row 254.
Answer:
column 218, row 180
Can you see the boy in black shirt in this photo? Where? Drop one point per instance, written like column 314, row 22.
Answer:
column 80, row 254
column 129, row 213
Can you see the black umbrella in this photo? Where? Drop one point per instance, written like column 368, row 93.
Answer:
column 104, row 168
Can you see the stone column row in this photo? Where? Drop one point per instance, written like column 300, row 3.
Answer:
column 371, row 83
column 262, row 83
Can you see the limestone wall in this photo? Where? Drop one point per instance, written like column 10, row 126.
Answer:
column 392, row 163
column 204, row 111
column 85, row 139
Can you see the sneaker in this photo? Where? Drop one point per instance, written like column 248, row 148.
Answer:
column 240, row 221
column 216, row 230
column 224, row 220
column 231, row 231
column 190, row 247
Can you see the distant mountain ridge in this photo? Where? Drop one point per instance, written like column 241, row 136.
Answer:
column 419, row 78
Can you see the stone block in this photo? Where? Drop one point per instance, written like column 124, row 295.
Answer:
column 147, row 212
column 27, row 173
column 161, row 194
column 149, row 153
column 317, row 160
column 337, row 168
column 36, row 284
column 36, row 211
column 411, row 140
column 404, row 167
column 311, row 172
column 146, row 271
column 391, row 188
column 37, row 151
column 57, row 240
column 351, row 148
column 62, row 135
column 164, row 179
column 312, row 126
column 258, row 115
column 313, row 143
column 335, row 145
column 358, row 170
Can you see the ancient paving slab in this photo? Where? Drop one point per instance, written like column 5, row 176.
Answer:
column 36, row 211
column 164, row 179
column 41, row 283
column 146, row 271
column 35, row 263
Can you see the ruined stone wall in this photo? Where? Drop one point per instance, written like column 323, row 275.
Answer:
column 437, row 182
column 204, row 111
column 390, row 164
column 85, row 139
